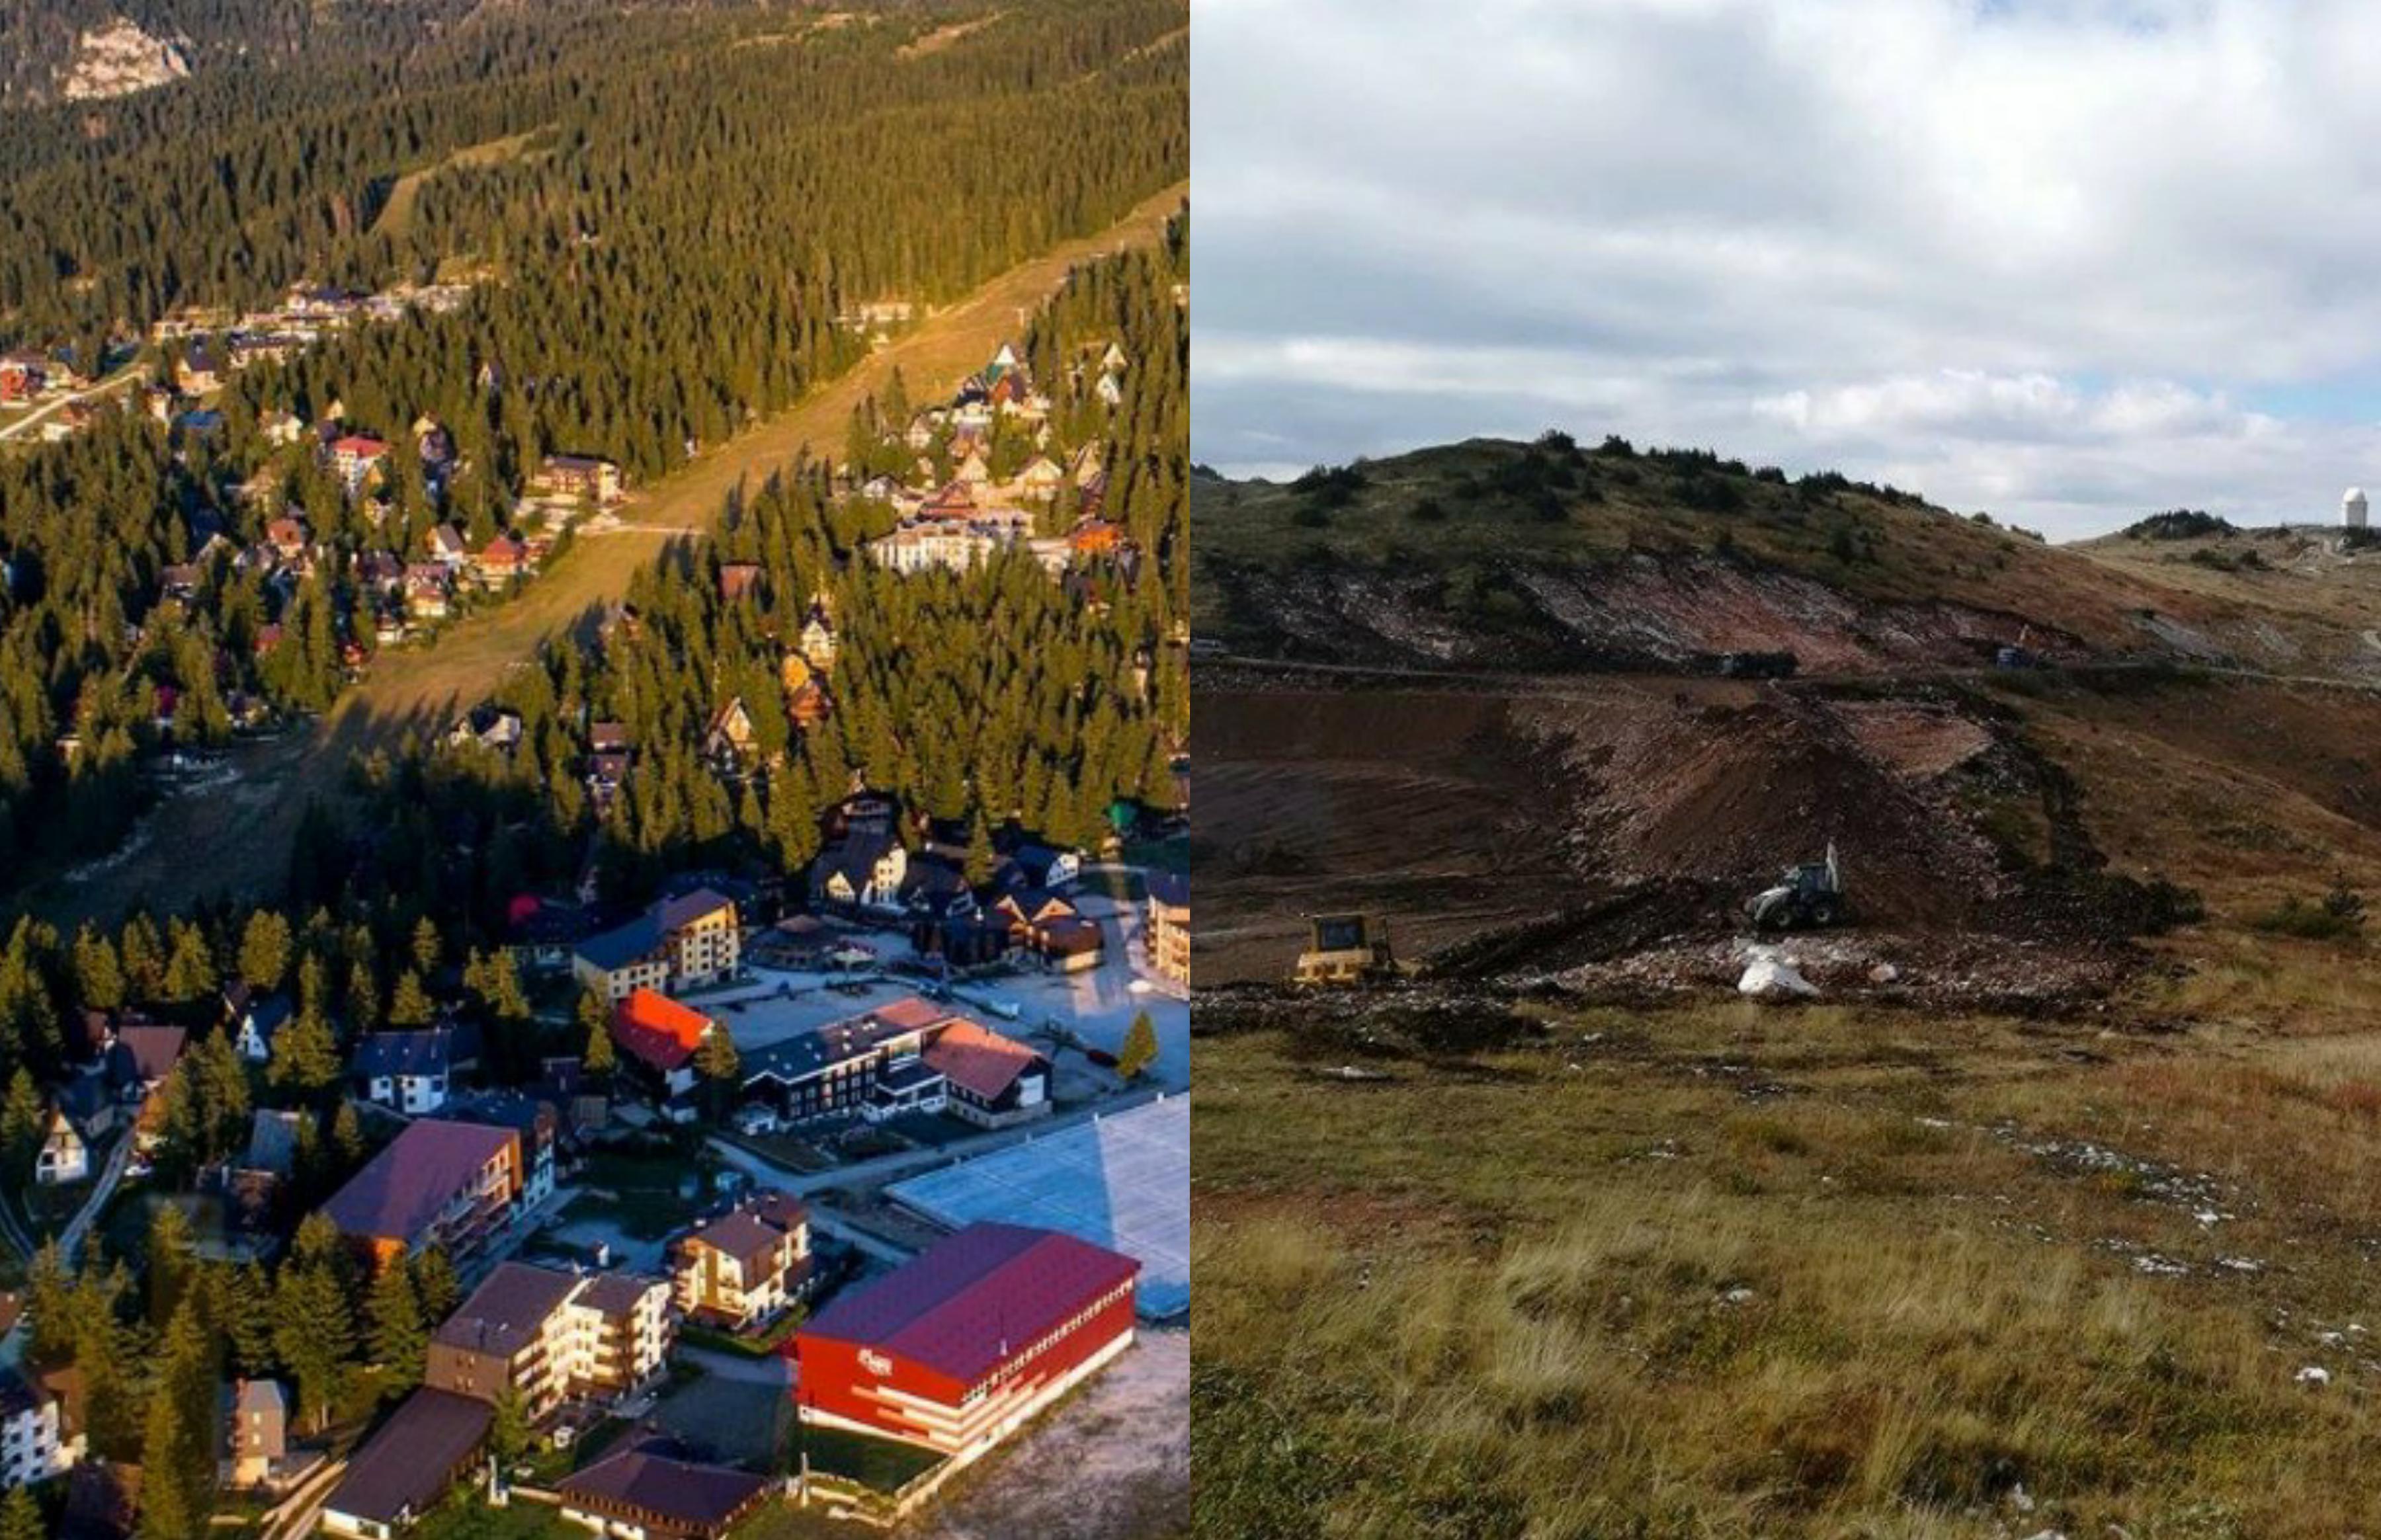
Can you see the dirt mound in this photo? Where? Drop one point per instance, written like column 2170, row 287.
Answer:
column 1730, row 791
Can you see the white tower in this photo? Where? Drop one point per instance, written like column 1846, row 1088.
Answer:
column 2352, row 509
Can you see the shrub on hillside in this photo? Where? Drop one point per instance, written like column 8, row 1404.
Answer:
column 2336, row 917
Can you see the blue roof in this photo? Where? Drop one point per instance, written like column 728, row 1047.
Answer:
column 617, row 949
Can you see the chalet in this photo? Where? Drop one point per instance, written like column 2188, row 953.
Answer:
column 427, row 590
column 490, row 728
column 1040, row 480
column 1093, row 536
column 408, row 1072
column 680, row 943
column 608, row 737
column 863, row 871
column 661, row 1037
column 281, row 428
column 23, row 376
column 64, row 1156
column 254, row 1021
column 180, row 582
column 447, row 547
column 817, row 639
column 1032, row 864
column 1109, row 390
column 381, row 570
column 140, row 1059
column 1052, row 930
column 591, row 480
column 503, row 559
column 806, row 700
column 727, row 738
column 200, row 371
column 288, row 535
column 995, row 1081
column 745, row 1268
column 355, row 457
column 955, row 504
column 972, row 472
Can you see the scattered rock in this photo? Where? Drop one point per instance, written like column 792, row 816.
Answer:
column 1773, row 975
column 2313, row 1375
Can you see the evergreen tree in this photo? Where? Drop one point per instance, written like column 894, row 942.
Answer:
column 21, row 1516
column 435, row 1284
column 305, row 1056
column 398, row 1337
column 265, row 950
column 595, row 1016
column 1140, row 1048
column 409, row 1006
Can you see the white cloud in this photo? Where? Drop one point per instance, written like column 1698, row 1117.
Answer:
column 2059, row 258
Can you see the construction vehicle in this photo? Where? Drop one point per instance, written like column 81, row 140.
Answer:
column 1345, row 949
column 1807, row 897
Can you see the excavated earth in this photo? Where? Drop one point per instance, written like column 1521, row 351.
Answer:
column 1598, row 836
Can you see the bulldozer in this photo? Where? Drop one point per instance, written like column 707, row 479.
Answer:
column 1807, row 897
column 1345, row 949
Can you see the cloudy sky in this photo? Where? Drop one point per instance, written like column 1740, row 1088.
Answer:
column 2067, row 261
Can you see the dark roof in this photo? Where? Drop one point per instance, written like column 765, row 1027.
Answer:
column 965, row 1302
column 908, row 1075
column 145, row 1053
column 427, row 1051
column 1170, row 889
column 268, row 1015
column 753, row 1227
column 617, row 1293
column 533, row 1117
column 672, row 913
column 620, row 947
column 272, row 1142
column 806, row 1053
column 407, row 1465
column 403, row 1187
column 699, row 1497
column 507, row 1311
column 18, row 1395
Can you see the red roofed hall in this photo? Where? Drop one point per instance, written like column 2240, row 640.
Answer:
column 964, row 1344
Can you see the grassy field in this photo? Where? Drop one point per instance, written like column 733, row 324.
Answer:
column 1729, row 1272
column 237, row 843
column 397, row 214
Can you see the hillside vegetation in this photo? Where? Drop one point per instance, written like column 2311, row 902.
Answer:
column 1556, row 555
column 2050, row 1215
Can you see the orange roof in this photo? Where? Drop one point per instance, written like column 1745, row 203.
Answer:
column 657, row 1030
column 912, row 1013
column 979, row 1059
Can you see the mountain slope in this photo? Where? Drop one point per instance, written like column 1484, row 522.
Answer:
column 1495, row 553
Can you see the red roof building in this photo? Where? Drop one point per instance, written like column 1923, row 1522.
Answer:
column 965, row 1344
column 657, row 1030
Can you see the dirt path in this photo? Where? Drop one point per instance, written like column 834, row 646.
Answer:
column 238, row 842
column 1114, row 1461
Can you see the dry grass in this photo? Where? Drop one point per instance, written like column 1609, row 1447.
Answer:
column 1727, row 1273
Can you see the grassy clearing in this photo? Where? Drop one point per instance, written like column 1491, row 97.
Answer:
column 1719, row 1272
column 397, row 214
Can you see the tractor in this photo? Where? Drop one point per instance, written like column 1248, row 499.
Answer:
column 1807, row 897
column 1345, row 949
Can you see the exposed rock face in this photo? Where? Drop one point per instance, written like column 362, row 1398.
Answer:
column 119, row 58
